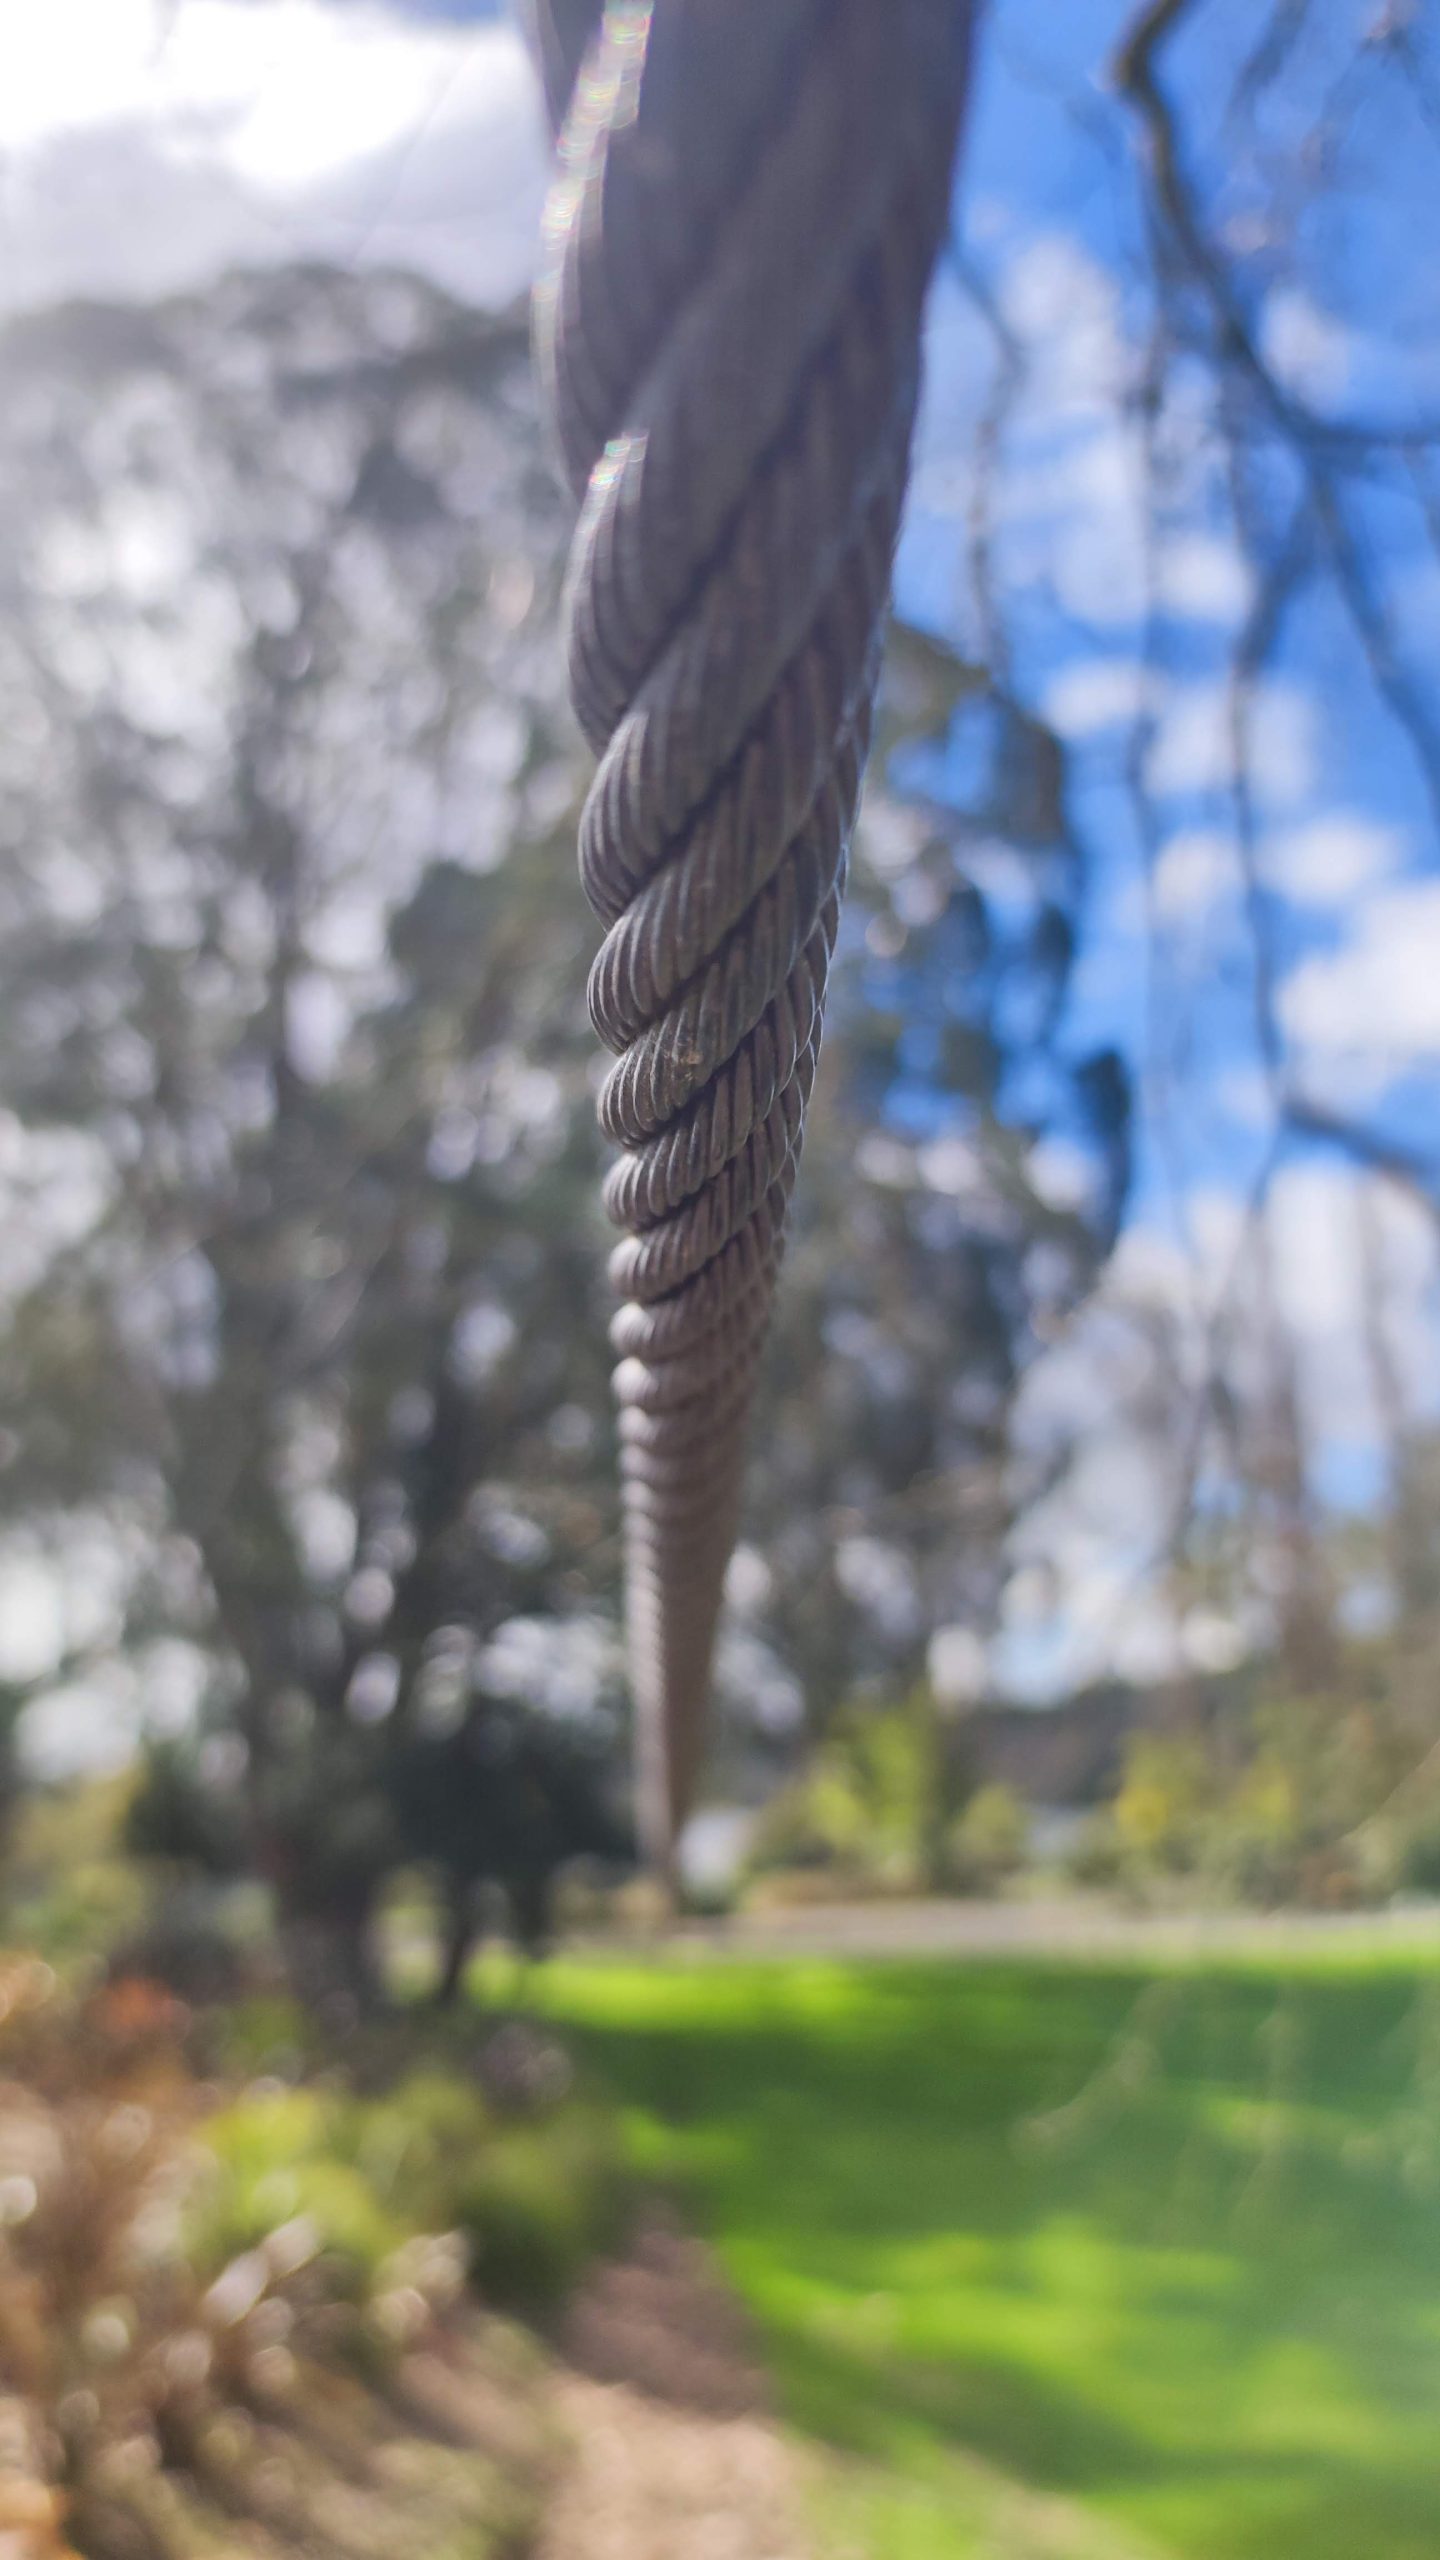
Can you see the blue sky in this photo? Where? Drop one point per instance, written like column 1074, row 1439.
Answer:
column 1123, row 620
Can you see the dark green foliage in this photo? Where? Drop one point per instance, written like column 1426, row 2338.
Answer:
column 535, row 2203
column 509, row 1800
column 175, row 1817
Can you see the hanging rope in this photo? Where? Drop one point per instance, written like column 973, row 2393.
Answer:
column 749, row 201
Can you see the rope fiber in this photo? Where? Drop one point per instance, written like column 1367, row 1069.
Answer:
column 749, row 200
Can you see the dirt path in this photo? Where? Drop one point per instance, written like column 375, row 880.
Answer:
column 654, row 2483
column 674, row 2454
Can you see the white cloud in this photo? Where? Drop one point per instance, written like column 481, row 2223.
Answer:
column 1097, row 694
column 1316, row 1216
column 1065, row 305
column 1097, row 538
column 1149, row 1267
column 1375, row 997
column 1310, row 350
column 1194, row 746
column 1085, row 1599
column 1194, row 871
column 1245, row 1095
column 1105, row 1416
column 1201, row 578
column 1070, row 501
column 149, row 148
column 1332, row 859
column 1060, row 1174
column 1215, row 1223
column 1319, row 1260
column 1315, row 1252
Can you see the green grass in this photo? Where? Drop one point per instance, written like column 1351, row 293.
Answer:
column 1061, row 2251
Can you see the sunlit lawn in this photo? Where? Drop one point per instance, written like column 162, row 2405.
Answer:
column 1163, row 2245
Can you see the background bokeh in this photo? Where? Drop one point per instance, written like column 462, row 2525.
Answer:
column 1050, row 2048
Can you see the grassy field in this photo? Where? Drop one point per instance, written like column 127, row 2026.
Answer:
column 1076, row 2260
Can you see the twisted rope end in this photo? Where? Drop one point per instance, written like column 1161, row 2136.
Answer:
column 750, row 198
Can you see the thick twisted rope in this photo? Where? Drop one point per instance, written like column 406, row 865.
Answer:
column 750, row 198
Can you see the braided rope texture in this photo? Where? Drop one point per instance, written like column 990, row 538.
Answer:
column 749, row 202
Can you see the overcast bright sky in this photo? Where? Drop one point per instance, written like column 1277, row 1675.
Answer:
column 150, row 143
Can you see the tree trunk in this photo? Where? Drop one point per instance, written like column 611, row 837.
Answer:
column 462, row 1927
column 330, row 1957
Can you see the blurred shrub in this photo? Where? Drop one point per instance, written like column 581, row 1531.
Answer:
column 181, row 1944
column 1399, row 1851
column 989, row 1840
column 713, row 1898
column 70, row 1891
column 1253, row 1844
column 1416, row 1865
column 1165, row 1793
column 1272, row 1809
column 533, row 2186
column 174, row 2303
column 536, row 2202
column 266, row 2035
column 874, row 1810
column 279, row 2163
column 1099, row 1860
column 175, row 1817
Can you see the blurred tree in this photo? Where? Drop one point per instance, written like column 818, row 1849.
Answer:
column 306, row 1312
column 292, row 976
column 509, row 1799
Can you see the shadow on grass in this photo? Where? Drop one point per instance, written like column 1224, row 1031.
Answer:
column 1169, row 2243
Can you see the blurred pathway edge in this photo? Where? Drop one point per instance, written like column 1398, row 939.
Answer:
column 1060, row 1927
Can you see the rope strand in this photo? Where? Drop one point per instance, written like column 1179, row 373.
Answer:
column 749, row 201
